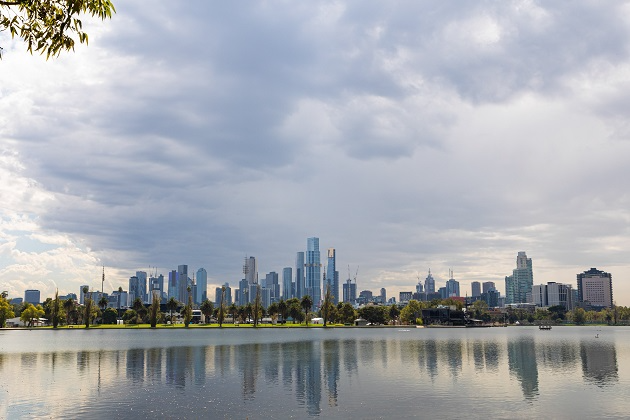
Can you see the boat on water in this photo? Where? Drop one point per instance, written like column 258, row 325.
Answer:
column 544, row 327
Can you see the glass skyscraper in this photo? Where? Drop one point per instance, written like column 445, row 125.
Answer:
column 287, row 283
column 299, row 275
column 519, row 284
column 332, row 275
column 312, row 271
column 202, row 285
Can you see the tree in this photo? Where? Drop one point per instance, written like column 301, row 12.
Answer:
column 221, row 312
column 257, row 305
column 70, row 307
column 130, row 316
column 282, row 310
column 110, row 315
column 154, row 309
column 188, row 310
column 55, row 312
column 306, row 303
column 579, row 316
column 373, row 314
column 87, row 309
column 479, row 308
column 273, row 311
column 233, row 310
column 139, row 308
column 171, row 305
column 326, row 306
column 206, row 309
column 394, row 313
column 6, row 310
column 49, row 26
column 30, row 313
column 411, row 313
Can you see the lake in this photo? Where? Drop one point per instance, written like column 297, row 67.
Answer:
column 278, row 373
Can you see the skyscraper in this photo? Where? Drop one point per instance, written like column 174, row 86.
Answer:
column 32, row 296
column 383, row 295
column 135, row 291
column 156, row 285
column 519, row 284
column 142, row 285
column 312, row 270
column 452, row 287
column 332, row 275
column 173, row 291
column 349, row 291
column 595, row 287
column 429, row 283
column 182, row 283
column 475, row 288
column 287, row 283
column 202, row 285
column 299, row 275
column 250, row 270
column 487, row 286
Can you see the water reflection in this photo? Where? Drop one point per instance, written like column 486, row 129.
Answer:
column 599, row 362
column 316, row 377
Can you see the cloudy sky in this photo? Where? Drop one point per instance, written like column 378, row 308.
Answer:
column 407, row 135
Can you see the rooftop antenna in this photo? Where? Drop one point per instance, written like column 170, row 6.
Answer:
column 103, row 281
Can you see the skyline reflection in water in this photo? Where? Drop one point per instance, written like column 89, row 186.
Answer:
column 368, row 373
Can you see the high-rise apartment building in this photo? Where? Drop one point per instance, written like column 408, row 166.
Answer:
column 519, row 285
column 299, row 275
column 250, row 270
column 332, row 275
column 475, row 287
column 202, row 285
column 287, row 283
column 429, row 283
column 312, row 271
column 595, row 287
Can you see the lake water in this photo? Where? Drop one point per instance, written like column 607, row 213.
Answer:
column 516, row 372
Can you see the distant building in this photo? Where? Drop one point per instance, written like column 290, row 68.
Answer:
column 173, row 292
column 595, row 286
column 383, row 295
column 349, row 291
column 312, row 271
column 156, row 286
column 366, row 295
column 82, row 295
column 520, row 283
column 202, row 285
column 332, row 275
column 475, row 287
column 553, row 294
column 429, row 283
column 299, row 275
column 452, row 287
column 287, row 283
column 32, row 296
column 404, row 297
column 142, row 286
column 487, row 286
column 183, row 282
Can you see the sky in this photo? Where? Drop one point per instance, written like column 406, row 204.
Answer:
column 407, row 135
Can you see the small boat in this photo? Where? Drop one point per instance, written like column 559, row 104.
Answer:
column 544, row 327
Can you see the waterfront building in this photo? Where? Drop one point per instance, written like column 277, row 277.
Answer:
column 519, row 284
column 287, row 283
column 312, row 271
column 553, row 294
column 429, row 283
column 332, row 275
column 475, row 287
column 202, row 285
column 299, row 275
column 487, row 286
column 349, row 291
column 32, row 296
column 595, row 287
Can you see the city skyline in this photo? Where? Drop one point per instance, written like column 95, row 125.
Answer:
column 406, row 135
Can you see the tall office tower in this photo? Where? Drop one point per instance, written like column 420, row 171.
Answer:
column 332, row 275
column 272, row 284
column 173, row 291
column 142, row 285
column 419, row 288
column 183, row 283
column 487, row 286
column 287, row 283
column 476, row 288
column 202, row 285
column 243, row 292
column 228, row 294
column 250, row 270
column 299, row 275
column 452, row 286
column 383, row 296
column 156, row 285
column 553, row 294
column 595, row 286
column 135, row 291
column 32, row 296
column 519, row 284
column 349, row 291
column 429, row 283
column 312, row 271
column 217, row 296
column 82, row 295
